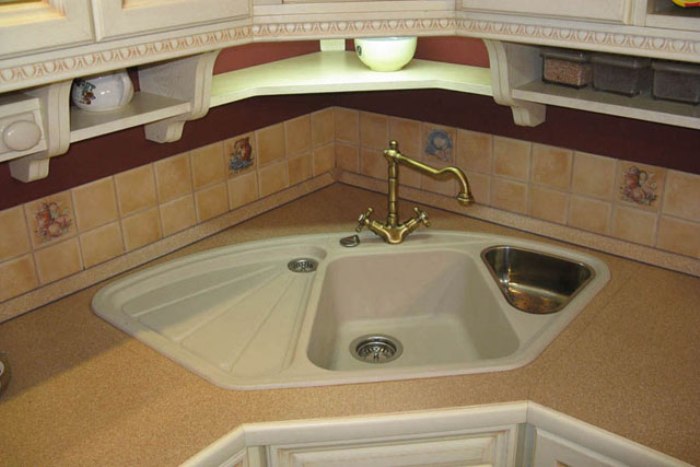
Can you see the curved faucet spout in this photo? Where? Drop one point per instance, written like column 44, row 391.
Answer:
column 393, row 231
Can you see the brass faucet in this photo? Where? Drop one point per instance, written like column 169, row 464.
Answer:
column 393, row 231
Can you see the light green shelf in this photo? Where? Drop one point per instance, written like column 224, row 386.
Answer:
column 340, row 71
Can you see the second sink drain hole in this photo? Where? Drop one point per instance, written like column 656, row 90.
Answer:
column 376, row 348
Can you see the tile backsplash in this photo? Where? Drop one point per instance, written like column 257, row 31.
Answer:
column 53, row 238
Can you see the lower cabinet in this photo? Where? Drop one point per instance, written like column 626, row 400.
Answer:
column 482, row 449
column 553, row 451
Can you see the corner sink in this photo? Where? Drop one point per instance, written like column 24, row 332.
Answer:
column 535, row 282
column 431, row 303
column 306, row 311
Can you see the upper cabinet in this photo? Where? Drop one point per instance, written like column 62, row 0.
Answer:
column 42, row 25
column 118, row 18
column 613, row 11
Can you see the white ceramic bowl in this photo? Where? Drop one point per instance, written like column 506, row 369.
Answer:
column 385, row 53
column 103, row 93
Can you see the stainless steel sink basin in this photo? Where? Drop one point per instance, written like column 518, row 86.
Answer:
column 535, row 282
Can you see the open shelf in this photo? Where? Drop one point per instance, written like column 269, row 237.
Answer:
column 664, row 14
column 144, row 108
column 339, row 71
column 642, row 107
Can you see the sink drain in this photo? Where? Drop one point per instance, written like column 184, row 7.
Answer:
column 376, row 349
column 302, row 265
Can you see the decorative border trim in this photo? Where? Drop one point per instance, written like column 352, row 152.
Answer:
column 21, row 76
column 581, row 38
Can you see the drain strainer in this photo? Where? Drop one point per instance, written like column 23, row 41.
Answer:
column 376, row 348
column 302, row 265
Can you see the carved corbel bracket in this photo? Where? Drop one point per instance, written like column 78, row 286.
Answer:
column 188, row 79
column 513, row 65
column 55, row 119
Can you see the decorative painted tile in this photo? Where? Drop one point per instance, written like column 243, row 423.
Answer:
column 51, row 218
column 439, row 144
column 641, row 185
column 240, row 154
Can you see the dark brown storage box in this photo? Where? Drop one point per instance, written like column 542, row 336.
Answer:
column 620, row 74
column 566, row 66
column 676, row 81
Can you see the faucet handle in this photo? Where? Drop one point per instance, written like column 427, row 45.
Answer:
column 363, row 220
column 422, row 216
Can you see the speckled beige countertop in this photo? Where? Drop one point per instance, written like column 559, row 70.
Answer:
column 84, row 393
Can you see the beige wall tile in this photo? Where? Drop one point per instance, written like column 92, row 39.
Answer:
column 634, row 225
column 679, row 236
column 511, row 158
column 474, row 151
column 682, row 195
column 136, row 190
column 442, row 186
column 590, row 214
column 407, row 176
column 323, row 127
column 551, row 166
column 14, row 235
column 95, row 204
column 372, row 163
column 438, row 144
column 593, row 176
column 347, row 125
column 347, row 157
column 273, row 178
column 300, row 168
column 640, row 185
column 50, row 219
column 211, row 201
column 242, row 190
column 298, row 135
column 547, row 204
column 58, row 260
column 177, row 215
column 271, row 144
column 374, row 130
column 480, row 185
column 141, row 229
column 208, row 165
column 17, row 276
column 324, row 159
column 408, row 134
column 173, row 177
column 509, row 195
column 101, row 244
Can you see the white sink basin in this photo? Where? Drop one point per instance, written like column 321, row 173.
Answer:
column 239, row 317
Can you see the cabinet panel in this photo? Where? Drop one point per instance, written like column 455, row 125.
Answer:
column 488, row 449
column 616, row 11
column 42, row 25
column 117, row 18
column 553, row 451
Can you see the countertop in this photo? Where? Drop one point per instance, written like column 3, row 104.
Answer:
column 84, row 393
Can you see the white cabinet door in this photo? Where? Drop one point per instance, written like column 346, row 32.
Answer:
column 120, row 18
column 41, row 25
column 553, row 451
column 615, row 11
column 487, row 449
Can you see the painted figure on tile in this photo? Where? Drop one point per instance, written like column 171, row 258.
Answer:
column 638, row 186
column 439, row 145
column 242, row 156
column 52, row 220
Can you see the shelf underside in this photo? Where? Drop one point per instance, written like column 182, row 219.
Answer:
column 641, row 107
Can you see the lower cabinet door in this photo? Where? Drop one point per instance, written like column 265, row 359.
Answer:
column 484, row 449
column 553, row 451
